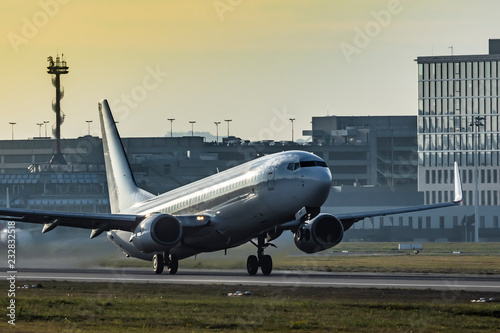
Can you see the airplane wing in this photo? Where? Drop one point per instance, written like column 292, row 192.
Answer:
column 350, row 218
column 97, row 222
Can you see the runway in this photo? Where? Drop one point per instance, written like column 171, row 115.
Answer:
column 277, row 278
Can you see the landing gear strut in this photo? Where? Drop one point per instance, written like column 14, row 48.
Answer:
column 264, row 261
column 160, row 261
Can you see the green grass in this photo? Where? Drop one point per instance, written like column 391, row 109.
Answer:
column 429, row 248
column 458, row 264
column 112, row 307
column 475, row 258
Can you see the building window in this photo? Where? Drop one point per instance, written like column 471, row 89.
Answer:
column 441, row 222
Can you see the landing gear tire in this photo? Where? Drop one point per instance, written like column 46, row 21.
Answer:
column 173, row 264
column 252, row 265
column 266, row 264
column 158, row 263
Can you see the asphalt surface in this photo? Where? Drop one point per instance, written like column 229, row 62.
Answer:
column 277, row 278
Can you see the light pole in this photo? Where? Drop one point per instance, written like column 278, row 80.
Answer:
column 12, row 130
column 217, row 129
column 171, row 121
column 39, row 129
column 192, row 122
column 45, row 122
column 476, row 123
column 88, row 122
column 228, row 121
column 291, row 120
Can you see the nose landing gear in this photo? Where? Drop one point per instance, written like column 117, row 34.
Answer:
column 264, row 261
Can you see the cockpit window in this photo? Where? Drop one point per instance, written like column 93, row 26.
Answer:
column 293, row 166
column 306, row 164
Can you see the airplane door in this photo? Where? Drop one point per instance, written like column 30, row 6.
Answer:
column 271, row 177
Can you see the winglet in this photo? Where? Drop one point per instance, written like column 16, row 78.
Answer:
column 458, row 184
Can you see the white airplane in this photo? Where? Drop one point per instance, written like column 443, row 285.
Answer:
column 256, row 200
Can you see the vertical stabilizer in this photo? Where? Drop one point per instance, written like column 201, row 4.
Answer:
column 122, row 187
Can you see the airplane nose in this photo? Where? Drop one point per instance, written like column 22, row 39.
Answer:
column 321, row 182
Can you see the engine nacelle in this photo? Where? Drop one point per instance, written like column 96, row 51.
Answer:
column 156, row 233
column 321, row 233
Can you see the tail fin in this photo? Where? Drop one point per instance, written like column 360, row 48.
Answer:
column 122, row 187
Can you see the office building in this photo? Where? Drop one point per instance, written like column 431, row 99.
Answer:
column 458, row 103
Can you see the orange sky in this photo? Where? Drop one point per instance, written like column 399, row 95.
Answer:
column 256, row 62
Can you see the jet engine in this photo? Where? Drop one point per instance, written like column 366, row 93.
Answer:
column 321, row 233
column 158, row 232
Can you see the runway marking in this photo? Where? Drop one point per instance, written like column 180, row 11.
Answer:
column 258, row 282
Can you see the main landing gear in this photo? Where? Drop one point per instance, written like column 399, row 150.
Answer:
column 264, row 261
column 161, row 260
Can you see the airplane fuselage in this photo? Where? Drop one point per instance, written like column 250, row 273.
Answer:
column 244, row 201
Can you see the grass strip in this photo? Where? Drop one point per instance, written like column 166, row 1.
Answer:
column 117, row 307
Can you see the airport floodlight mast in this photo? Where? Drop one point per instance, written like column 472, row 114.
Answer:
column 57, row 68
column 171, row 121
column 88, row 122
column 12, row 129
column 476, row 123
column 228, row 121
column 217, row 131
column 291, row 120
column 39, row 129
column 192, row 122
column 45, row 122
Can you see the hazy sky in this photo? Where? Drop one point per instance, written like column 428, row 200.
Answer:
column 257, row 62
